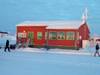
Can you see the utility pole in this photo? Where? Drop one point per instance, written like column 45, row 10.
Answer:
column 86, row 14
column 85, row 18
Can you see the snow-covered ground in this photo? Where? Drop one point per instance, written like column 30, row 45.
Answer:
column 39, row 61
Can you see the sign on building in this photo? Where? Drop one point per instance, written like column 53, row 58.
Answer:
column 22, row 35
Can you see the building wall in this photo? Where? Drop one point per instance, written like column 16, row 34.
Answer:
column 56, row 42
column 35, row 30
column 84, row 34
column 65, row 42
column 43, row 41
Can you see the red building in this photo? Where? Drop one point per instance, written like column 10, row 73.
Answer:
column 54, row 34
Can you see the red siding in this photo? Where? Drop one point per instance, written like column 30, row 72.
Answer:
column 56, row 42
column 35, row 30
column 43, row 41
column 62, row 42
column 82, row 33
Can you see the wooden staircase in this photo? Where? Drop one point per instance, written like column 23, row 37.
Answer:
column 22, row 44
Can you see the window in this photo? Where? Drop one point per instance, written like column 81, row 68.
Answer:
column 52, row 35
column 45, row 35
column 70, row 36
column 61, row 35
column 39, row 35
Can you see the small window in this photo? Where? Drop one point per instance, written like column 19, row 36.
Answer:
column 52, row 35
column 45, row 35
column 70, row 36
column 39, row 35
column 61, row 35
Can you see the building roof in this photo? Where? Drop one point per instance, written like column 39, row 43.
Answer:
column 3, row 32
column 53, row 24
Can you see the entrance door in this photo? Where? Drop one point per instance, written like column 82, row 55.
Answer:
column 31, row 37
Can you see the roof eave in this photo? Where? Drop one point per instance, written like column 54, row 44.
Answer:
column 63, row 28
column 31, row 25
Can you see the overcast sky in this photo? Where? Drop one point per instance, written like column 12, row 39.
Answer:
column 13, row 12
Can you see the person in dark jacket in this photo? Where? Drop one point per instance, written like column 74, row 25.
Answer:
column 7, row 46
column 97, row 48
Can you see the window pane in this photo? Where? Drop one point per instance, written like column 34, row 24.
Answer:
column 70, row 35
column 39, row 35
column 45, row 35
column 61, row 35
column 52, row 35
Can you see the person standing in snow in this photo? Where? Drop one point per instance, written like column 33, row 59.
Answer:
column 97, row 48
column 7, row 46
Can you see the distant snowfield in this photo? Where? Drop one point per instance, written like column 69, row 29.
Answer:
column 39, row 61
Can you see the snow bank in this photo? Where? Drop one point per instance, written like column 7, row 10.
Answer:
column 84, row 51
column 12, row 40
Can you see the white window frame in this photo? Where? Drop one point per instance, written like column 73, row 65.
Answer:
column 21, row 35
column 57, row 35
column 45, row 36
column 37, row 35
column 70, row 39
column 49, row 35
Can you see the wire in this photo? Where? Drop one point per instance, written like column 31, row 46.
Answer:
column 93, row 17
column 93, row 24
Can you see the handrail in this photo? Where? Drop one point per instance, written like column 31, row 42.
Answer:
column 23, row 44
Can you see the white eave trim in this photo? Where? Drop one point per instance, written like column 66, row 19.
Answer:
column 31, row 25
column 63, row 28
column 88, row 26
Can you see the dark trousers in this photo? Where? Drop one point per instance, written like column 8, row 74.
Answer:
column 6, row 48
column 96, row 52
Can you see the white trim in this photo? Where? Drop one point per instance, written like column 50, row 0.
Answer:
column 57, row 35
column 62, row 28
column 31, row 25
column 22, row 34
column 44, row 36
column 53, row 24
column 37, row 36
column 49, row 35
column 74, row 35
column 88, row 26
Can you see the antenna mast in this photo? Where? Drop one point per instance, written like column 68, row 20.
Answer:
column 86, row 14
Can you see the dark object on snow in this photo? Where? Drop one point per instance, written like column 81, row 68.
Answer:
column 97, row 48
column 12, row 47
column 7, row 46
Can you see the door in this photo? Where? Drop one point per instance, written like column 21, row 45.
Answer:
column 31, row 37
